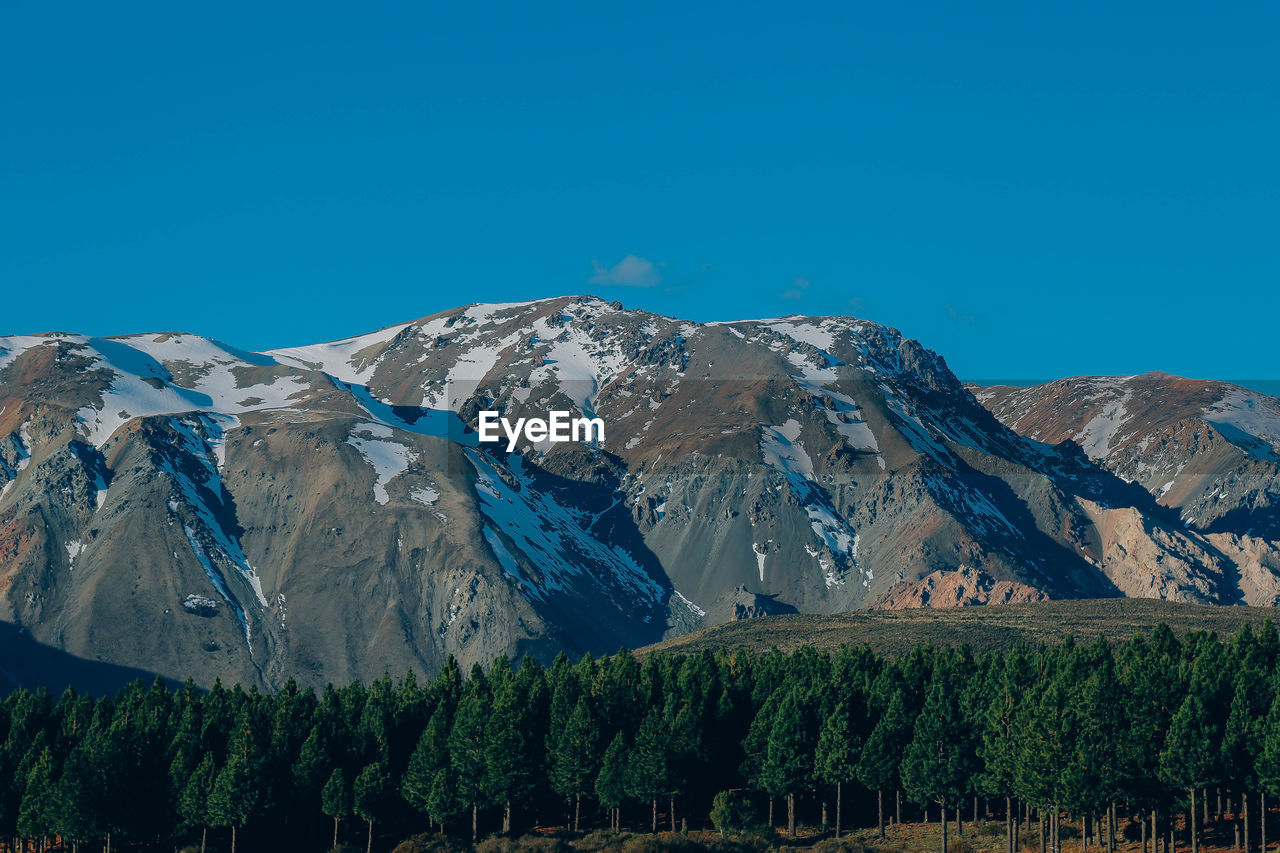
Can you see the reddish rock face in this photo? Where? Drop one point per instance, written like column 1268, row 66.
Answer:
column 964, row 587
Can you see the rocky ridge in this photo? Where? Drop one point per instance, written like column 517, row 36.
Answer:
column 335, row 506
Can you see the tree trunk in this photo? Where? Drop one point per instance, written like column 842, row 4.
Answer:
column 897, row 809
column 233, row 838
column 335, row 836
column 839, row 805
column 959, row 825
column 475, row 814
column 368, row 847
column 1191, row 818
column 879, row 813
column 655, row 814
column 1244, row 803
column 204, row 834
column 577, row 811
column 506, row 819
column 1143, row 825
column 771, row 812
column 1008, row 825
column 824, row 815
column 944, row 827
column 1262, row 819
column 1040, row 814
column 671, row 804
column 975, row 811
column 791, row 814
column 1204, row 806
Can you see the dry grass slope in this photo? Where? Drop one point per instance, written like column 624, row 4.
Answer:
column 893, row 632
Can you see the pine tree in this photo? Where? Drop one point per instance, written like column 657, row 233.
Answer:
column 881, row 755
column 507, row 758
column 1240, row 744
column 937, row 764
column 998, row 746
column 235, row 796
column 647, row 764
column 442, row 800
column 788, row 763
column 430, row 758
column 335, row 800
column 193, row 799
column 467, row 750
column 611, row 783
column 836, row 760
column 576, row 757
column 369, row 796
column 37, row 813
column 1268, row 759
column 82, row 796
column 684, row 751
column 1190, row 753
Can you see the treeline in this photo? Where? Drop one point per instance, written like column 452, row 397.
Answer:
column 1154, row 727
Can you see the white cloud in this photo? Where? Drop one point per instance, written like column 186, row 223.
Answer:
column 797, row 290
column 631, row 271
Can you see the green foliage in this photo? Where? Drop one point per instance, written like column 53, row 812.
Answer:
column 881, row 755
column 1189, row 754
column 575, row 757
column 36, row 814
column 467, row 746
column 611, row 784
column 237, row 792
column 733, row 811
column 1070, row 727
column 647, row 764
column 371, row 792
column 788, row 762
column 939, row 765
column 335, row 798
column 193, row 800
column 839, row 747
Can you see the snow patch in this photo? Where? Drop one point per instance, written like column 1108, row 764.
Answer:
column 424, row 495
column 1249, row 420
column 780, row 446
column 388, row 457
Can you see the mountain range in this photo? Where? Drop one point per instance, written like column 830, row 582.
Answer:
column 174, row 504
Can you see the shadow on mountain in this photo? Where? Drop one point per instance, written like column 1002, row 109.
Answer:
column 30, row 664
column 589, row 479
column 1263, row 521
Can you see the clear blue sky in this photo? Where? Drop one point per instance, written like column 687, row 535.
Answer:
column 1031, row 193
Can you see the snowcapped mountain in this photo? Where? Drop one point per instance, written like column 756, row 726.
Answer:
column 328, row 511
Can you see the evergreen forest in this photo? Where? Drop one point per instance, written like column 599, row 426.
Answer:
column 1155, row 738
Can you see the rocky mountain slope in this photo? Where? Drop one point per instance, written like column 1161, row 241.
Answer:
column 1207, row 450
column 172, row 503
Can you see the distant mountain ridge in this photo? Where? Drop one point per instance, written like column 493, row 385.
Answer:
column 333, row 503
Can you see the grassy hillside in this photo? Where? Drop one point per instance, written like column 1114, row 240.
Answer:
column 892, row 632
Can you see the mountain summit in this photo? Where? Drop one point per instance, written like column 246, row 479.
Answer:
column 327, row 512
